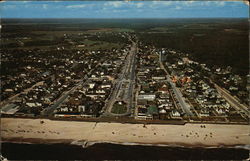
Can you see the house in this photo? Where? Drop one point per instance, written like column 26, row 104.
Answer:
column 220, row 111
column 204, row 113
column 226, row 105
column 30, row 104
column 106, row 85
column 81, row 108
column 180, row 62
column 95, row 95
column 175, row 113
column 164, row 106
column 91, row 85
column 163, row 90
column 162, row 114
column 232, row 88
column 100, row 91
column 158, row 77
column 161, row 101
column 9, row 90
column 64, row 109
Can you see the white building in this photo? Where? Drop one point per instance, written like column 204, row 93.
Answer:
column 149, row 97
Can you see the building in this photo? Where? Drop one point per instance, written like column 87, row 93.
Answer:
column 148, row 97
column 10, row 109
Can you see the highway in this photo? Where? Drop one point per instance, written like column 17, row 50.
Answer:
column 185, row 107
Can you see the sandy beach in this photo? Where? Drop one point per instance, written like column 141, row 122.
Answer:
column 52, row 131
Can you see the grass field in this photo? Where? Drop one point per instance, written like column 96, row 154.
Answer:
column 119, row 109
column 53, row 39
column 96, row 45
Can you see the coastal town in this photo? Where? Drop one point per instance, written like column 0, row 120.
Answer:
column 124, row 80
column 91, row 80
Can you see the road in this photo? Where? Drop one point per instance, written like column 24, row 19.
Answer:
column 131, row 76
column 8, row 100
column 124, row 86
column 49, row 111
column 232, row 101
column 185, row 107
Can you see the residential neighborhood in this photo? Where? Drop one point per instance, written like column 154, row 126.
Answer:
column 134, row 81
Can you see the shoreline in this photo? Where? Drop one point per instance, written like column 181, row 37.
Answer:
column 89, row 133
column 86, row 144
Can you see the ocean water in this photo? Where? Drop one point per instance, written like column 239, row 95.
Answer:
column 14, row 151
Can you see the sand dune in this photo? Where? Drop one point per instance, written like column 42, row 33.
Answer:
column 32, row 130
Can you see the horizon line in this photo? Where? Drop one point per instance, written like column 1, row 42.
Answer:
column 123, row 18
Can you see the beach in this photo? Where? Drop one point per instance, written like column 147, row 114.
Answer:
column 190, row 135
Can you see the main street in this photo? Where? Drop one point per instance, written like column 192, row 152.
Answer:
column 124, row 86
column 131, row 76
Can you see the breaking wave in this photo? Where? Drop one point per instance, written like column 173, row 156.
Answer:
column 86, row 144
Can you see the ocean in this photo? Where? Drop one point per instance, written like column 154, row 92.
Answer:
column 14, row 151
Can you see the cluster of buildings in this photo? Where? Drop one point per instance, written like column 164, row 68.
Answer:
column 75, row 81
column 87, row 100
column 33, row 101
column 90, row 97
column 15, row 78
column 195, row 83
column 155, row 99
column 65, row 82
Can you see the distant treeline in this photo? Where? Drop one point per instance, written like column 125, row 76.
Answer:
column 219, row 42
column 222, row 45
column 78, row 24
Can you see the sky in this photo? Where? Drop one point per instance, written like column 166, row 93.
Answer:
column 123, row 9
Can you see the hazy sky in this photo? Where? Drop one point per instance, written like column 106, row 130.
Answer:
column 122, row 9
